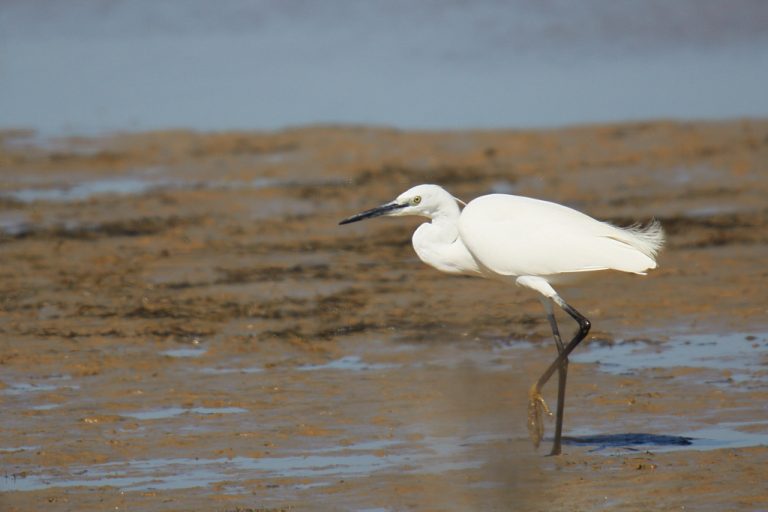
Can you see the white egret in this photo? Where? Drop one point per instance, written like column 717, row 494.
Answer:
column 532, row 243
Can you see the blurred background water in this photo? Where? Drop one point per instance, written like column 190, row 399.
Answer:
column 94, row 66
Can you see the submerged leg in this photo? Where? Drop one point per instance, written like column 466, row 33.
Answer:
column 536, row 405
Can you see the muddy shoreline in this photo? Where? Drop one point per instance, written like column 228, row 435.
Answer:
column 184, row 326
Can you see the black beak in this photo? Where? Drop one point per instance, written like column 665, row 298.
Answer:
column 374, row 212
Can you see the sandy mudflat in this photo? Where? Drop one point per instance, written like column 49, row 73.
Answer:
column 184, row 326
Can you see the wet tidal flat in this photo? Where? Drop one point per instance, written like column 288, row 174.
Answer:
column 184, row 326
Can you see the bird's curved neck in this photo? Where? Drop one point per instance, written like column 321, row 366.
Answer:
column 447, row 214
column 444, row 225
column 439, row 245
column 443, row 229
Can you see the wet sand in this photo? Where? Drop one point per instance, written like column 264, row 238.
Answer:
column 184, row 326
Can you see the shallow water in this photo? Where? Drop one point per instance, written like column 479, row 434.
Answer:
column 85, row 190
column 146, row 65
column 322, row 465
column 741, row 355
column 73, row 189
column 184, row 352
column 24, row 386
column 347, row 363
column 170, row 412
column 332, row 463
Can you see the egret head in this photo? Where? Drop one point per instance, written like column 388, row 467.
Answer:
column 422, row 200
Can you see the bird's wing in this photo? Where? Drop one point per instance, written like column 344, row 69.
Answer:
column 515, row 236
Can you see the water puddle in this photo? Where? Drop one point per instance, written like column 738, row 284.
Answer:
column 22, row 388
column 184, row 352
column 13, row 224
column 18, row 449
column 226, row 371
column 87, row 189
column 727, row 435
column 437, row 455
column 134, row 186
column 50, row 383
column 743, row 355
column 170, row 412
column 44, row 407
column 348, row 363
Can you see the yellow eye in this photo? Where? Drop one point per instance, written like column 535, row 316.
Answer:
column 416, row 200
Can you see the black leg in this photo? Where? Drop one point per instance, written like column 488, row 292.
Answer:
column 536, row 403
column 562, row 376
column 584, row 326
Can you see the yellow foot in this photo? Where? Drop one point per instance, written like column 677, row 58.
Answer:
column 537, row 407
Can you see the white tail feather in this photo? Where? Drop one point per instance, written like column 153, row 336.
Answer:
column 647, row 239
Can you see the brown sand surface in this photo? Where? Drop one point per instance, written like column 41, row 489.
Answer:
column 184, row 326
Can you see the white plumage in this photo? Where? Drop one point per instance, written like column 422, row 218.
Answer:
column 528, row 241
column 517, row 236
